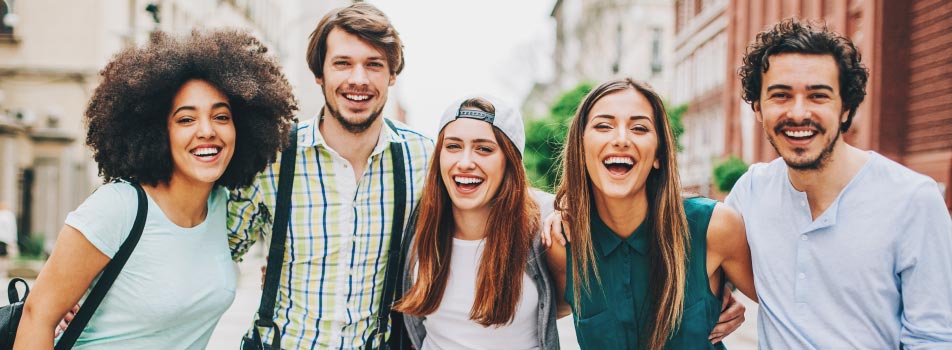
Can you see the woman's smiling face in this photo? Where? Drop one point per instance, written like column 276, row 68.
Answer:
column 620, row 142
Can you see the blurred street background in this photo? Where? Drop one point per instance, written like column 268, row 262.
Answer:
column 543, row 55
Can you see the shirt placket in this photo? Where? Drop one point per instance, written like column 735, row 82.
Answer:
column 347, row 190
column 804, row 251
column 627, row 272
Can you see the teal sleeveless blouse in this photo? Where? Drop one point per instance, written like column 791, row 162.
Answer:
column 617, row 313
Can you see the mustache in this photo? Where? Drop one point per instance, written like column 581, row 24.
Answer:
column 806, row 123
column 356, row 89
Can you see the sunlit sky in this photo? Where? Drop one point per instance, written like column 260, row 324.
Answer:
column 455, row 48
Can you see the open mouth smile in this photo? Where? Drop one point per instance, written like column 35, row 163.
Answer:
column 357, row 97
column 467, row 184
column 206, row 153
column 619, row 165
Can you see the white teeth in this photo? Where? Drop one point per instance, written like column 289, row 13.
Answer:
column 799, row 133
column 205, row 151
column 467, row 180
column 356, row 97
column 619, row 160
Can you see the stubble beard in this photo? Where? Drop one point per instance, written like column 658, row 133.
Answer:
column 353, row 127
column 815, row 164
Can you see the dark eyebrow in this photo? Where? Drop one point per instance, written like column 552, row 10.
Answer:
column 347, row 57
column 184, row 108
column 779, row 86
column 634, row 117
column 192, row 108
column 454, row 138
column 820, row 87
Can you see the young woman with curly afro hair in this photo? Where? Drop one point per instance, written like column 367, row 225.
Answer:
column 185, row 117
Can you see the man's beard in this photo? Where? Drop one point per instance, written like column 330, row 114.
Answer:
column 816, row 164
column 352, row 127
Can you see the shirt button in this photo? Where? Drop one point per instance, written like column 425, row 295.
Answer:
column 803, row 237
column 803, row 203
column 802, row 276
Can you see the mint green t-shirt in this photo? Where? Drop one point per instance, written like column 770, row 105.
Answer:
column 176, row 284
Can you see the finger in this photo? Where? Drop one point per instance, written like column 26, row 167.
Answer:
column 561, row 236
column 545, row 234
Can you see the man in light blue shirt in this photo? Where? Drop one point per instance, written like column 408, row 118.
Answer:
column 850, row 249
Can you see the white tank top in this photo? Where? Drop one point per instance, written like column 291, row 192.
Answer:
column 450, row 327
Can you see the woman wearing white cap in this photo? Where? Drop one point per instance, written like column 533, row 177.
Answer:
column 476, row 276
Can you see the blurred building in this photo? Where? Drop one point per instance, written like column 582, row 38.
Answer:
column 596, row 40
column 50, row 55
column 700, row 55
column 907, row 113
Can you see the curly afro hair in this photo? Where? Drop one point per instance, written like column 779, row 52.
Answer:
column 128, row 114
column 793, row 35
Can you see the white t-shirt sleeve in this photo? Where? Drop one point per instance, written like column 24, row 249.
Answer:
column 106, row 217
column 739, row 195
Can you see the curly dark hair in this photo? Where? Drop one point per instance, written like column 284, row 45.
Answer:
column 128, row 113
column 793, row 35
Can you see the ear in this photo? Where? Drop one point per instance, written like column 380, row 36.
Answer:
column 656, row 165
column 393, row 79
column 757, row 112
column 319, row 81
column 844, row 116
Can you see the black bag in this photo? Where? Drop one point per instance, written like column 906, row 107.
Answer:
column 10, row 314
column 279, row 230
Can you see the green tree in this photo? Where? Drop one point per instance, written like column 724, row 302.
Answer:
column 545, row 137
column 727, row 172
column 677, row 127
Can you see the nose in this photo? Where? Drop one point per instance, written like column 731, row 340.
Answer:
column 358, row 76
column 799, row 110
column 466, row 161
column 620, row 138
column 205, row 128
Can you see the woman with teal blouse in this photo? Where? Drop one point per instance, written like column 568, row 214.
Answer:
column 646, row 266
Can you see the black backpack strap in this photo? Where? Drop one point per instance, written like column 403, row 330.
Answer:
column 394, row 256
column 279, row 235
column 109, row 274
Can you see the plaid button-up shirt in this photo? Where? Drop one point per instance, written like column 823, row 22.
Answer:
column 339, row 231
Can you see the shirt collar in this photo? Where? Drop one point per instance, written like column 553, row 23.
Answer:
column 606, row 241
column 309, row 134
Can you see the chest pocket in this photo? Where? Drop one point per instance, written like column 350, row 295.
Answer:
column 601, row 331
column 695, row 327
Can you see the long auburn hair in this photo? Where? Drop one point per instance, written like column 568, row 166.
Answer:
column 513, row 220
column 665, row 220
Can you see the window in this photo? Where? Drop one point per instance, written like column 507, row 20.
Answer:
column 8, row 19
column 656, row 65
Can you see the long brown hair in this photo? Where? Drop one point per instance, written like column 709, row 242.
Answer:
column 665, row 218
column 513, row 220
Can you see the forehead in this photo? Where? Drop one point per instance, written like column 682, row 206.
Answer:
column 799, row 70
column 342, row 43
column 469, row 129
column 197, row 90
column 622, row 104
